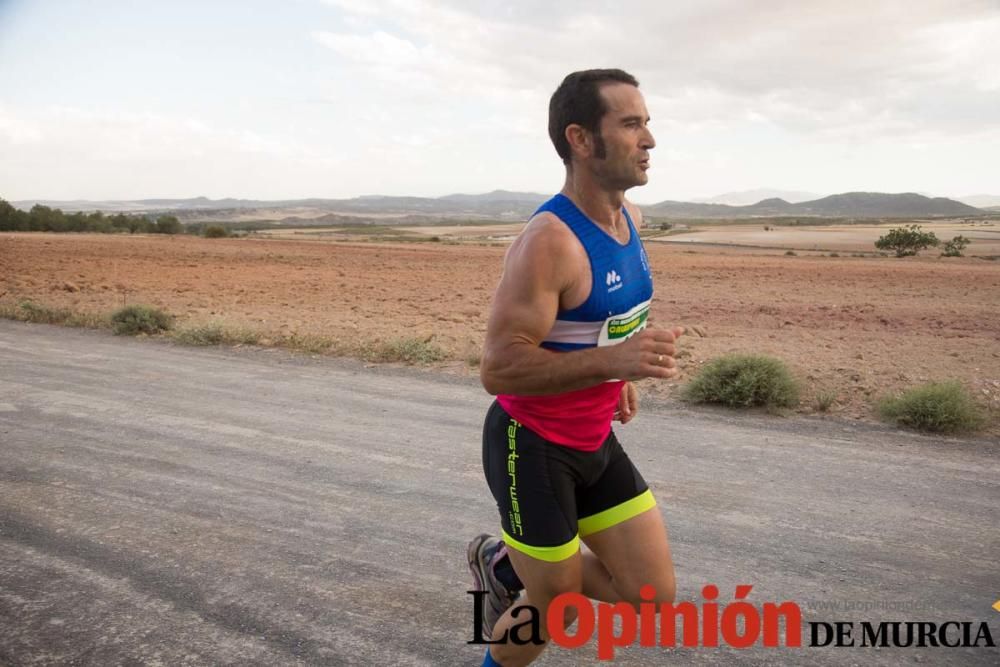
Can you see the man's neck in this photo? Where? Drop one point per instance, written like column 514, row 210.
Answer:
column 602, row 206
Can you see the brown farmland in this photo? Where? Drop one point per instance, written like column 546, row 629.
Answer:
column 853, row 327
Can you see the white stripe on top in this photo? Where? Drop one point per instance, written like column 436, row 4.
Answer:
column 581, row 333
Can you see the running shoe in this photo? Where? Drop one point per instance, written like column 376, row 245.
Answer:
column 483, row 553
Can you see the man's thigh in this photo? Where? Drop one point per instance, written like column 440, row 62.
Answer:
column 623, row 527
column 636, row 553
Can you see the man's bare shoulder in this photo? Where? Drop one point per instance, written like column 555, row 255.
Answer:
column 547, row 252
column 546, row 234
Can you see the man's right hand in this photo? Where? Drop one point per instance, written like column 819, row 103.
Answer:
column 648, row 354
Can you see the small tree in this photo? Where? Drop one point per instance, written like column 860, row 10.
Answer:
column 954, row 247
column 908, row 240
column 216, row 232
column 11, row 219
column 168, row 224
column 141, row 225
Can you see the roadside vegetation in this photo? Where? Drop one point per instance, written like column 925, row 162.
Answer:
column 138, row 319
column 825, row 399
column 936, row 407
column 744, row 381
column 409, row 349
column 215, row 333
column 29, row 311
column 147, row 320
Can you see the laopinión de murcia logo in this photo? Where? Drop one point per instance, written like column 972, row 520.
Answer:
column 737, row 624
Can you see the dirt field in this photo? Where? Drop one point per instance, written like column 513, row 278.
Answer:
column 984, row 237
column 857, row 327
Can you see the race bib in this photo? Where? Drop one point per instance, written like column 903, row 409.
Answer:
column 619, row 328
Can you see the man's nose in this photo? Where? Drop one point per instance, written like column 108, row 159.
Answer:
column 648, row 141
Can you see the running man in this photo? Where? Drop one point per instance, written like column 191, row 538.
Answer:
column 567, row 335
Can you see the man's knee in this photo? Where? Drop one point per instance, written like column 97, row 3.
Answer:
column 542, row 596
column 658, row 588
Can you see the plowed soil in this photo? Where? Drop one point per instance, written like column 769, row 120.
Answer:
column 854, row 327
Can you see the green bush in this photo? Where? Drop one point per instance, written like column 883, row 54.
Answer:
column 936, row 407
column 216, row 232
column 134, row 320
column 790, row 253
column 743, row 381
column 906, row 240
column 954, row 247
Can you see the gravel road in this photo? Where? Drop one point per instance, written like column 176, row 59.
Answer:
column 171, row 505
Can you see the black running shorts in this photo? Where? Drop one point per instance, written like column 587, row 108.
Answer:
column 549, row 495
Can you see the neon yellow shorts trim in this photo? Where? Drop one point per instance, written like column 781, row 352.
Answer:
column 615, row 515
column 549, row 554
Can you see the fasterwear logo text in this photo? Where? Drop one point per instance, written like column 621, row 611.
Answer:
column 613, row 280
column 515, row 507
column 738, row 624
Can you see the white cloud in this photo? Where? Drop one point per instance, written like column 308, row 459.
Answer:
column 17, row 131
column 427, row 97
column 379, row 49
column 104, row 151
column 820, row 66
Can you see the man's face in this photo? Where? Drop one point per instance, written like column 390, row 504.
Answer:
column 621, row 148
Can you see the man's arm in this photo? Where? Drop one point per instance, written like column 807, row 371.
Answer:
column 539, row 268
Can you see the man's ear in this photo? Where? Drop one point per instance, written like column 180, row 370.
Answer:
column 580, row 140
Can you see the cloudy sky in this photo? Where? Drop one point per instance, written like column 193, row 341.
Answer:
column 105, row 99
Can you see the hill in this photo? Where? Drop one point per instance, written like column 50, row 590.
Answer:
column 502, row 204
column 850, row 205
column 747, row 197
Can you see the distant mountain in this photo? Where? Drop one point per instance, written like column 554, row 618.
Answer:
column 879, row 205
column 747, row 197
column 140, row 205
column 849, row 205
column 497, row 204
column 499, row 195
column 980, row 201
column 501, row 204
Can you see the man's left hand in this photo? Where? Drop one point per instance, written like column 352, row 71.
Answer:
column 628, row 403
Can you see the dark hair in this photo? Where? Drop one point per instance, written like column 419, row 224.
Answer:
column 578, row 101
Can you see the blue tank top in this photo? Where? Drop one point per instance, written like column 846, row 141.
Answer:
column 621, row 285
